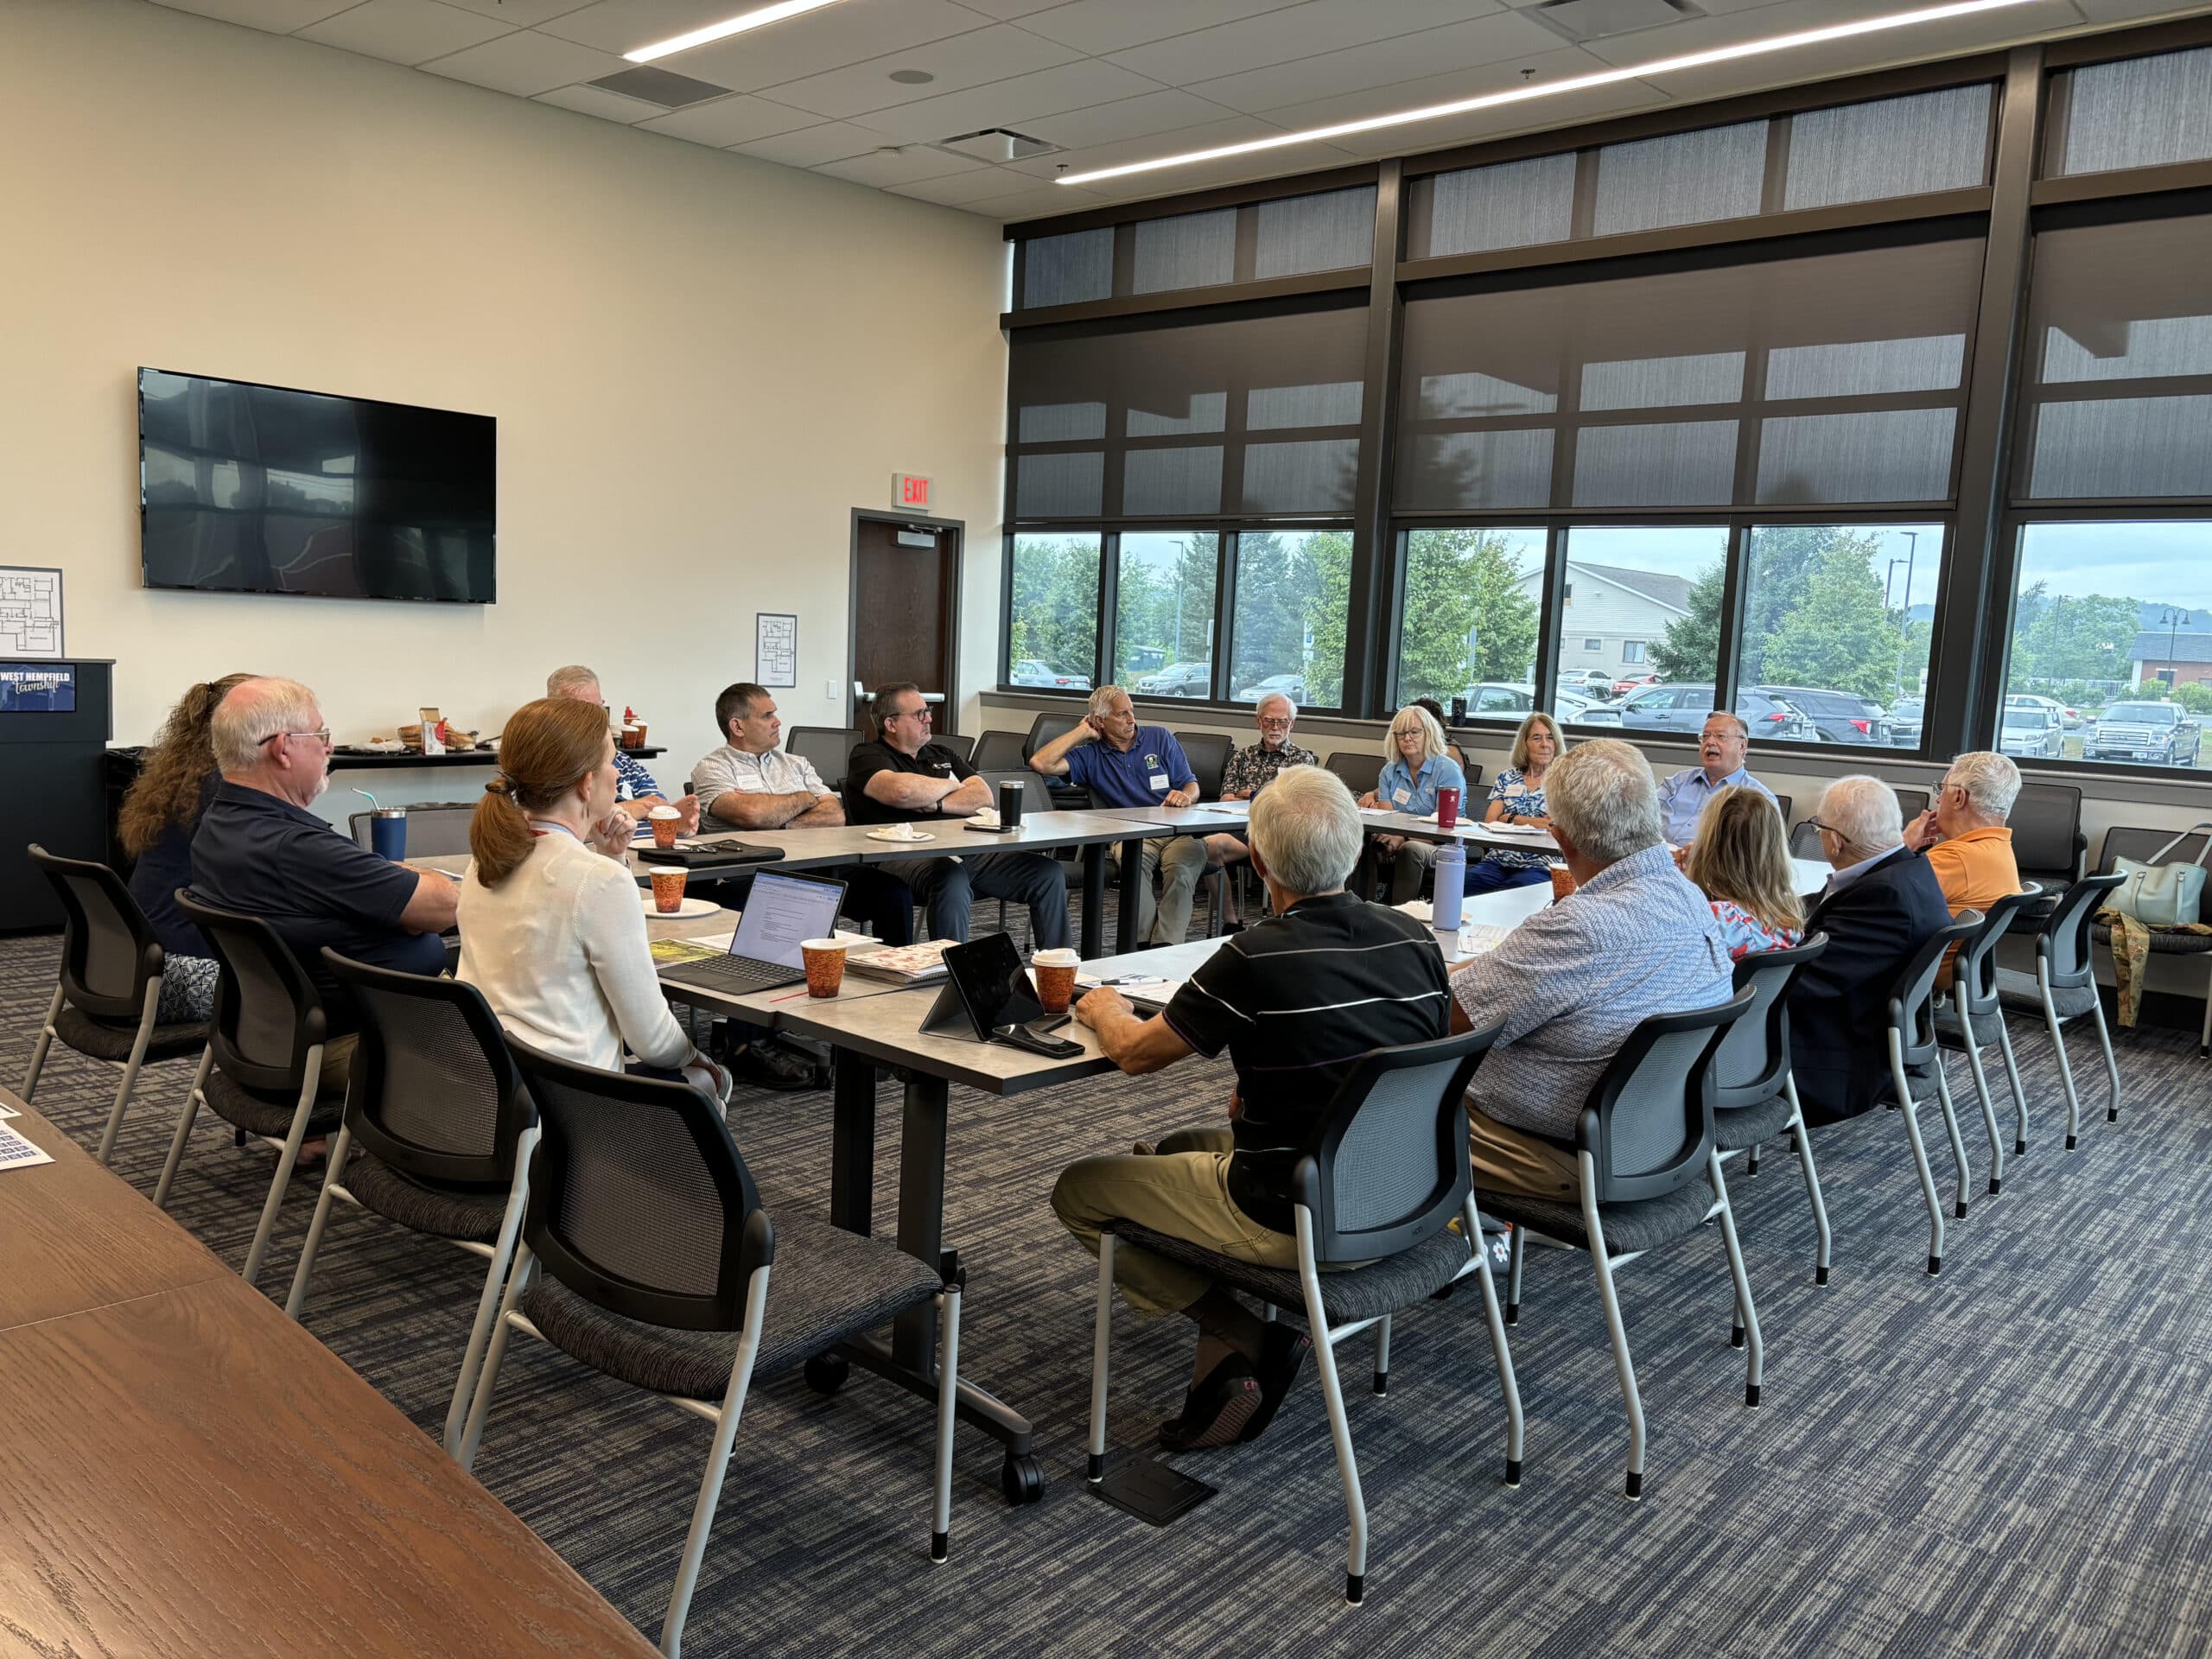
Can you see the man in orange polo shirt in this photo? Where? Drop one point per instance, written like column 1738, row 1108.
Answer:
column 1968, row 844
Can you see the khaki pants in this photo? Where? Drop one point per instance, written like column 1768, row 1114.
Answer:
column 1180, row 860
column 1182, row 1189
column 338, row 1063
column 1506, row 1160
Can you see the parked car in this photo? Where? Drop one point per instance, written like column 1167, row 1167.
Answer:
column 1494, row 697
column 2031, row 733
column 1629, row 682
column 1591, row 682
column 1577, row 709
column 1178, row 680
column 2158, row 734
column 1834, row 716
column 1291, row 685
column 1683, row 708
column 1030, row 671
column 1905, row 715
column 2068, row 719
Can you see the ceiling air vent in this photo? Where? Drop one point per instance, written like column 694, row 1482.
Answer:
column 1597, row 20
column 662, row 86
column 997, row 145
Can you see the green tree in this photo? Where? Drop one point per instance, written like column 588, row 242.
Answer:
column 2194, row 696
column 1458, row 581
column 1326, row 585
column 1055, row 603
column 1839, row 634
column 2070, row 638
column 1691, row 645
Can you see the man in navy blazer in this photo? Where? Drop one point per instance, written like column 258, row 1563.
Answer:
column 1881, row 904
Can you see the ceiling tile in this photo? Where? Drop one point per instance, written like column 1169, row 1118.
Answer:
column 1036, row 202
column 832, row 141
column 1130, row 117
column 971, row 60
column 1479, row 126
column 2113, row 11
column 1231, row 129
column 403, row 31
column 620, row 26
column 527, row 63
column 729, row 121
column 1010, row 102
column 1500, row 38
column 962, row 187
column 1300, row 31
column 1789, row 16
column 1563, row 63
column 1004, row 9
column 1102, row 26
column 522, row 14
column 282, row 17
column 908, row 166
column 856, row 31
column 586, row 99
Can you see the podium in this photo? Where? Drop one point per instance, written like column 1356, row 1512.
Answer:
column 55, row 721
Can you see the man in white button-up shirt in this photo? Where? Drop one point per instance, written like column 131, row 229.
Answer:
column 750, row 782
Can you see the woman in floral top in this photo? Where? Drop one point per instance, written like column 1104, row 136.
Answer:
column 1741, row 859
column 1516, row 796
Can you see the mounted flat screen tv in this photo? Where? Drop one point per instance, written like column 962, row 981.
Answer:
column 254, row 489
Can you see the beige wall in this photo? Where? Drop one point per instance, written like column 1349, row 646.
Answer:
column 699, row 364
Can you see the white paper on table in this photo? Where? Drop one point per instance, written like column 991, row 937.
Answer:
column 16, row 1153
column 6, row 1110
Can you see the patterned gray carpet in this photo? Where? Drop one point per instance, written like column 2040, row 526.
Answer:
column 2012, row 1458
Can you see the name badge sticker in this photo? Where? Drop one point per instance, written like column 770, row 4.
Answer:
column 1160, row 781
column 1402, row 796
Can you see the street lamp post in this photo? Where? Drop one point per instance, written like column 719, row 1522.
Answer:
column 2173, row 620
column 1183, row 552
column 1904, row 615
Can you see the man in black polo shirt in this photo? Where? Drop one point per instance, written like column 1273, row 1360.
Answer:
column 1296, row 1001
column 901, row 777
column 260, row 852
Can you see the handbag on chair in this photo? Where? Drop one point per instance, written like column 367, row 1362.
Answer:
column 2162, row 895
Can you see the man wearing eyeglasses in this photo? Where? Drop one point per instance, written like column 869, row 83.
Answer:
column 1252, row 768
column 260, row 852
column 902, row 777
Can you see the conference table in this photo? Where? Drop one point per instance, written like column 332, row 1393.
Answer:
column 193, row 1473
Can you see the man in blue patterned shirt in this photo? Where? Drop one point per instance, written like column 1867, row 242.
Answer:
column 1634, row 938
column 635, row 792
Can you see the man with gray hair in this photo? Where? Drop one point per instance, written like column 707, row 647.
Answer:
column 1633, row 939
column 1720, row 748
column 1968, row 843
column 1296, row 999
column 635, row 792
column 1252, row 769
column 1880, row 903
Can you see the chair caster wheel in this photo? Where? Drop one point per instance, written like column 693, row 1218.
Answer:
column 1021, row 1479
column 826, row 1373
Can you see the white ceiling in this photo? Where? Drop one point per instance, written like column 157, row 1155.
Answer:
column 1111, row 81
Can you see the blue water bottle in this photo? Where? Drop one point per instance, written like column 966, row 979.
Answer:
column 1451, row 887
column 388, row 832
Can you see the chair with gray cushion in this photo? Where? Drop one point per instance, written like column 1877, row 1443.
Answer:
column 1755, row 1098
column 1970, row 1019
column 827, row 747
column 110, row 986
column 1649, row 1174
column 435, row 828
column 960, row 746
column 2063, row 986
column 436, row 1136
column 1360, row 769
column 262, row 1072
column 1001, row 752
column 1916, row 1067
column 646, row 1255
column 1379, row 1183
column 2048, row 846
column 2143, row 847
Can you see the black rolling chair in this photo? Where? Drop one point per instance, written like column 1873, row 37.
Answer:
column 1380, row 1182
column 1035, row 797
column 110, row 986
column 1360, row 771
column 434, row 827
column 961, row 746
column 263, row 1070
column 1784, row 803
column 1001, row 752
column 646, row 1255
column 828, row 748
column 2063, row 986
column 1044, row 729
column 1649, row 1174
column 1917, row 1068
column 2049, row 847
column 1970, row 1020
column 1208, row 754
column 1755, row 1098
column 436, row 1136
column 2160, row 846
column 1910, row 802
column 1805, row 840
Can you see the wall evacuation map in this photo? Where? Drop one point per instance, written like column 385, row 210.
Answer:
column 30, row 612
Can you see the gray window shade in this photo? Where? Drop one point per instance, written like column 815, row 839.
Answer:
column 1063, row 423
column 1667, row 390
column 1893, row 146
column 1513, row 205
column 1190, row 251
column 1685, row 178
column 1067, row 269
column 2139, row 112
column 1329, row 232
column 1069, row 485
column 1181, row 481
column 1203, row 411
column 2118, row 400
column 1311, row 477
column 1272, row 408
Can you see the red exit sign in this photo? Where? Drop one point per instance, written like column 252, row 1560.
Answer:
column 908, row 490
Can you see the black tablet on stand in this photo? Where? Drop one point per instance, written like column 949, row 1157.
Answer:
column 985, row 986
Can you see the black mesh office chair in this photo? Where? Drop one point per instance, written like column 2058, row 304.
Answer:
column 2063, row 986
column 263, row 1068
column 828, row 748
column 1001, row 752
column 1917, row 1068
column 435, row 828
column 1044, row 729
column 1969, row 1019
column 1208, row 754
column 436, row 1136
column 646, row 1255
column 1360, row 771
column 2161, row 847
column 961, row 746
column 1755, row 1098
column 2048, row 846
column 1379, row 1183
column 1911, row 803
column 1643, row 1143
column 109, row 988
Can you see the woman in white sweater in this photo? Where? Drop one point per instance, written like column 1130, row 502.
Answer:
column 552, row 925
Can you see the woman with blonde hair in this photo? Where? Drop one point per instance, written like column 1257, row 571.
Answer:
column 552, row 924
column 1741, row 861
column 1516, row 796
column 1417, row 764
column 177, row 779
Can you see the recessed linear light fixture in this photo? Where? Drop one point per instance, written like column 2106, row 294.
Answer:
column 759, row 17
column 1576, row 84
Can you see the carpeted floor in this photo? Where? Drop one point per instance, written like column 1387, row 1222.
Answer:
column 2015, row 1458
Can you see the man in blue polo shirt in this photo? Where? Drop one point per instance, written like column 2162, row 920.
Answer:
column 1721, row 747
column 260, row 852
column 1123, row 764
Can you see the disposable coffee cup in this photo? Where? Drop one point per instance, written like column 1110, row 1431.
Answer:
column 668, row 888
column 825, row 965
column 666, row 821
column 1010, row 799
column 1562, row 882
column 1447, row 807
column 1055, row 972
column 634, row 736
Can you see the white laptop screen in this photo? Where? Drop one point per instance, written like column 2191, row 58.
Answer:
column 781, row 911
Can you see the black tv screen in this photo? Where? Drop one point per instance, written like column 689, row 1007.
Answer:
column 253, row 489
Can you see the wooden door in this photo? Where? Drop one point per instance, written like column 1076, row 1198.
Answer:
column 905, row 603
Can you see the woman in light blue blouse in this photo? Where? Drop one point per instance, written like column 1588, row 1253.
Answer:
column 1516, row 796
column 1416, row 766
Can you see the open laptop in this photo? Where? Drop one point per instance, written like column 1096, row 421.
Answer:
column 780, row 912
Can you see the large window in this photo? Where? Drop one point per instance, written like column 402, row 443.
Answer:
column 1656, row 589
column 1287, row 635
column 1164, row 613
column 1052, row 613
column 2112, row 636
column 1468, row 624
